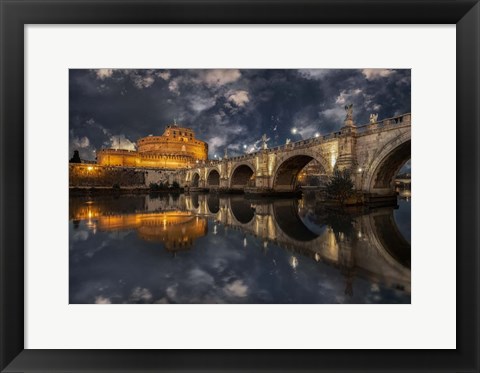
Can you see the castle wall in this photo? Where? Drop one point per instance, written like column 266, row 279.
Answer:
column 158, row 176
column 120, row 157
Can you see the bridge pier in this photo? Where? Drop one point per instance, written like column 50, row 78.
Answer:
column 372, row 199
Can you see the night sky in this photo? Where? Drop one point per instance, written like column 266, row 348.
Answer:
column 226, row 108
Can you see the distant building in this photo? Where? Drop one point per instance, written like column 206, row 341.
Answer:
column 176, row 148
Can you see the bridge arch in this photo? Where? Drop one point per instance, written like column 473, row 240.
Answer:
column 213, row 178
column 285, row 176
column 242, row 176
column 195, row 180
column 386, row 164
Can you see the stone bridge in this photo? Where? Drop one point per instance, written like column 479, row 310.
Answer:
column 369, row 246
column 374, row 153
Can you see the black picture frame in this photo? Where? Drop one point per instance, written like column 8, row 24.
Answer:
column 17, row 13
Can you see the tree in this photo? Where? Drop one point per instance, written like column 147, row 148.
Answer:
column 340, row 186
column 76, row 157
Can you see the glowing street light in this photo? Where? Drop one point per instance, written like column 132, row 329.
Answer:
column 317, row 134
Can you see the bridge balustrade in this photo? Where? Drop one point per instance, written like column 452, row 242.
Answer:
column 364, row 129
column 388, row 122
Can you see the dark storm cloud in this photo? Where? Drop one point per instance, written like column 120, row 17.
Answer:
column 227, row 108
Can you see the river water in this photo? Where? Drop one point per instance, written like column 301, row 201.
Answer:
column 202, row 248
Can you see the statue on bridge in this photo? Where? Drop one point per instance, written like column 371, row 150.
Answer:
column 264, row 139
column 373, row 118
column 349, row 111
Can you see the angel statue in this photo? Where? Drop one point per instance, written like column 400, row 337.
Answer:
column 265, row 139
column 349, row 110
column 373, row 118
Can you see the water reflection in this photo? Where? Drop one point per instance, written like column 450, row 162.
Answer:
column 229, row 249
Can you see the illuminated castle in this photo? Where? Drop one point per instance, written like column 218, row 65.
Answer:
column 176, row 148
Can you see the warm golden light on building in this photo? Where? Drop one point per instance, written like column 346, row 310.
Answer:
column 176, row 148
column 175, row 229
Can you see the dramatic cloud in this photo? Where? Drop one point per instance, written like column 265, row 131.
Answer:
column 372, row 74
column 237, row 289
column 143, row 82
column 199, row 103
column 226, row 107
column 102, row 300
column 347, row 96
column 165, row 75
column 104, row 73
column 219, row 77
column 121, row 142
column 84, row 142
column 216, row 142
column 140, row 295
column 239, row 98
column 316, row 74
column 173, row 87
column 336, row 114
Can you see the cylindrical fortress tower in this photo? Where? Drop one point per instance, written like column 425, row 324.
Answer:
column 176, row 148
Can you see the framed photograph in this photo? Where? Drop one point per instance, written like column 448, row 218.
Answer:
column 240, row 186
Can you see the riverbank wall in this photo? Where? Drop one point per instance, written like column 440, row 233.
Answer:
column 83, row 175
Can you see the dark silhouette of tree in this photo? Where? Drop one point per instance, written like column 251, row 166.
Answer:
column 340, row 186
column 76, row 157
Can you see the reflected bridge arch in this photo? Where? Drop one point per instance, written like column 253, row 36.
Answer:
column 241, row 210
